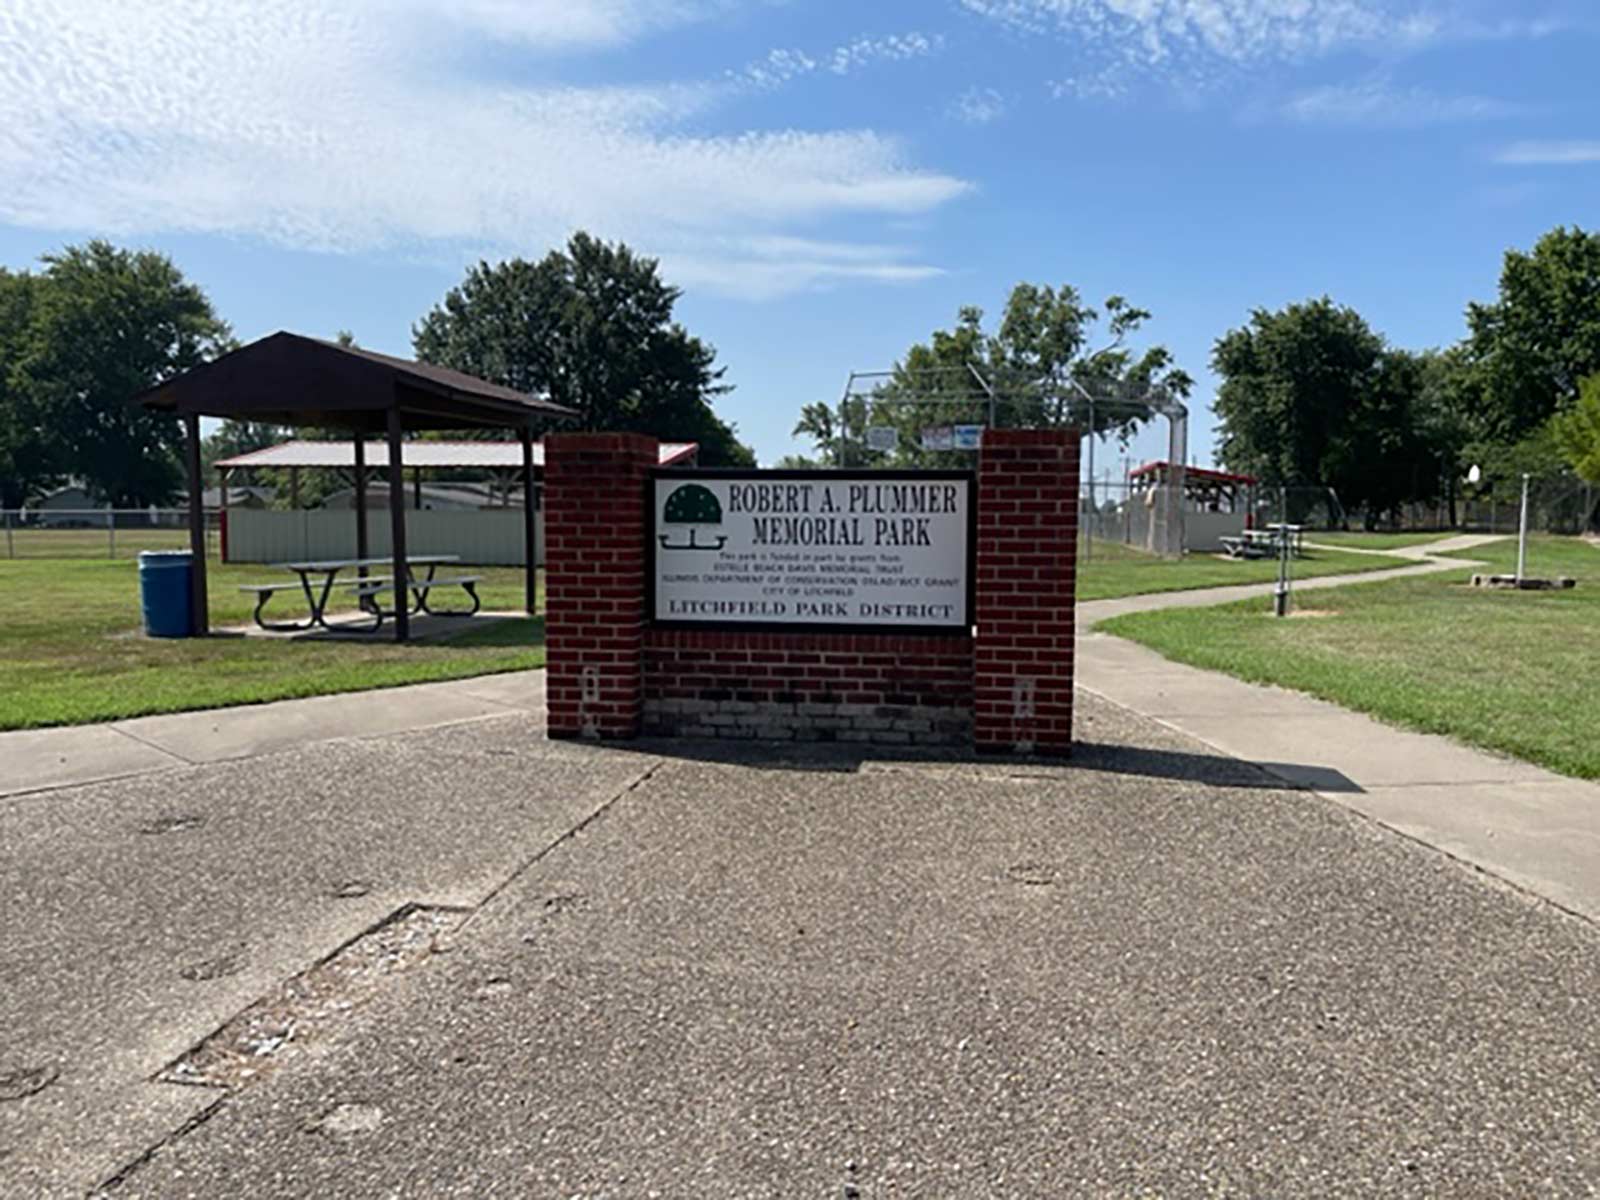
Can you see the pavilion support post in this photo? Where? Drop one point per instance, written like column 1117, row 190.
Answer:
column 361, row 500
column 529, row 548
column 416, row 488
column 199, row 613
column 397, row 527
column 223, row 476
column 294, row 487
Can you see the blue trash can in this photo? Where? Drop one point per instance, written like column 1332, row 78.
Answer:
column 164, row 581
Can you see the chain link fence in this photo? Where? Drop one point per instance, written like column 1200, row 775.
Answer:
column 100, row 532
column 1561, row 506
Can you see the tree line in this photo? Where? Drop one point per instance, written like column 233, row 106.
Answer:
column 589, row 325
column 1310, row 396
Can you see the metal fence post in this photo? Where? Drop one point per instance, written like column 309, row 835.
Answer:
column 111, row 532
column 11, row 547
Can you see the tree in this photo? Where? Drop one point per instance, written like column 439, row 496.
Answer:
column 105, row 324
column 30, row 460
column 592, row 328
column 1289, row 381
column 1036, row 369
column 1311, row 397
column 1531, row 349
column 1577, row 431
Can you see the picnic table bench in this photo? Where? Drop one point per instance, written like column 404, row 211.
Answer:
column 366, row 587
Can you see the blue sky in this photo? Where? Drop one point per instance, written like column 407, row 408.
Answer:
column 828, row 182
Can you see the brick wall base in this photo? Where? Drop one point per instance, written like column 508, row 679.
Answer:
column 890, row 689
column 773, row 721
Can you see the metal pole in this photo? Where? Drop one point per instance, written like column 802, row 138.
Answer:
column 11, row 546
column 1094, row 515
column 397, row 525
column 1522, row 534
column 529, row 549
column 199, row 613
column 111, row 532
column 1280, row 594
column 361, row 500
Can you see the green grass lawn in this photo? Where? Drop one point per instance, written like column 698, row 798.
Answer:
column 1515, row 672
column 1108, row 570
column 71, row 650
column 1374, row 541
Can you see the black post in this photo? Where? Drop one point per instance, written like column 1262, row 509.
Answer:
column 361, row 498
column 416, row 487
column 397, row 527
column 199, row 612
column 529, row 549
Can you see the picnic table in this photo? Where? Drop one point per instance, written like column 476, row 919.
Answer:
column 413, row 592
column 1259, row 543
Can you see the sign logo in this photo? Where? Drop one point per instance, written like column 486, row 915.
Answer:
column 694, row 506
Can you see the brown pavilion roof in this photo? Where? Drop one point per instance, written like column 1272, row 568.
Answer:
column 287, row 379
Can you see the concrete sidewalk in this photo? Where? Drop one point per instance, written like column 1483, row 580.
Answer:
column 39, row 759
column 1530, row 827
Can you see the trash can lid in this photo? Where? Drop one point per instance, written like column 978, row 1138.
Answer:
column 172, row 557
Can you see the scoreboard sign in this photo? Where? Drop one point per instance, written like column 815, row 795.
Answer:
column 862, row 550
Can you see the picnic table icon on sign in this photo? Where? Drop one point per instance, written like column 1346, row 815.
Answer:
column 694, row 506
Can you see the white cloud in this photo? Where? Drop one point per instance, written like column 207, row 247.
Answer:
column 1375, row 103
column 1549, row 154
column 895, row 48
column 782, row 65
column 562, row 24
column 343, row 129
column 979, row 106
column 1190, row 40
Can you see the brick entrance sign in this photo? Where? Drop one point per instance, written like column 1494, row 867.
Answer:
column 898, row 608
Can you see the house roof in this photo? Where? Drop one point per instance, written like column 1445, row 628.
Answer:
column 430, row 455
column 288, row 379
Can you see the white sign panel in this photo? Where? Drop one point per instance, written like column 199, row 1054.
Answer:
column 878, row 549
column 882, row 437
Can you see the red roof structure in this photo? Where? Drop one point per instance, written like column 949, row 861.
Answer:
column 1160, row 471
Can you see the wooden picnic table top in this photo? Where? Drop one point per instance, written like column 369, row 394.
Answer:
column 340, row 564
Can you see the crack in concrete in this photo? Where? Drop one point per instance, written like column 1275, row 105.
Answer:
column 166, row 1075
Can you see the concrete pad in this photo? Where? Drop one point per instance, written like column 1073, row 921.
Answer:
column 145, row 912
column 1542, row 836
column 218, row 734
column 45, row 1142
column 32, row 759
column 757, row 979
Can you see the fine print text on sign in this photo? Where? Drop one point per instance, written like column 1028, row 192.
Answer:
column 813, row 548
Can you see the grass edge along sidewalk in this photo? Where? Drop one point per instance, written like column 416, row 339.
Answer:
column 1110, row 571
column 71, row 652
column 1511, row 672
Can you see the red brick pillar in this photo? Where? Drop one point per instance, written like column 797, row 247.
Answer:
column 1027, row 566
column 595, row 525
